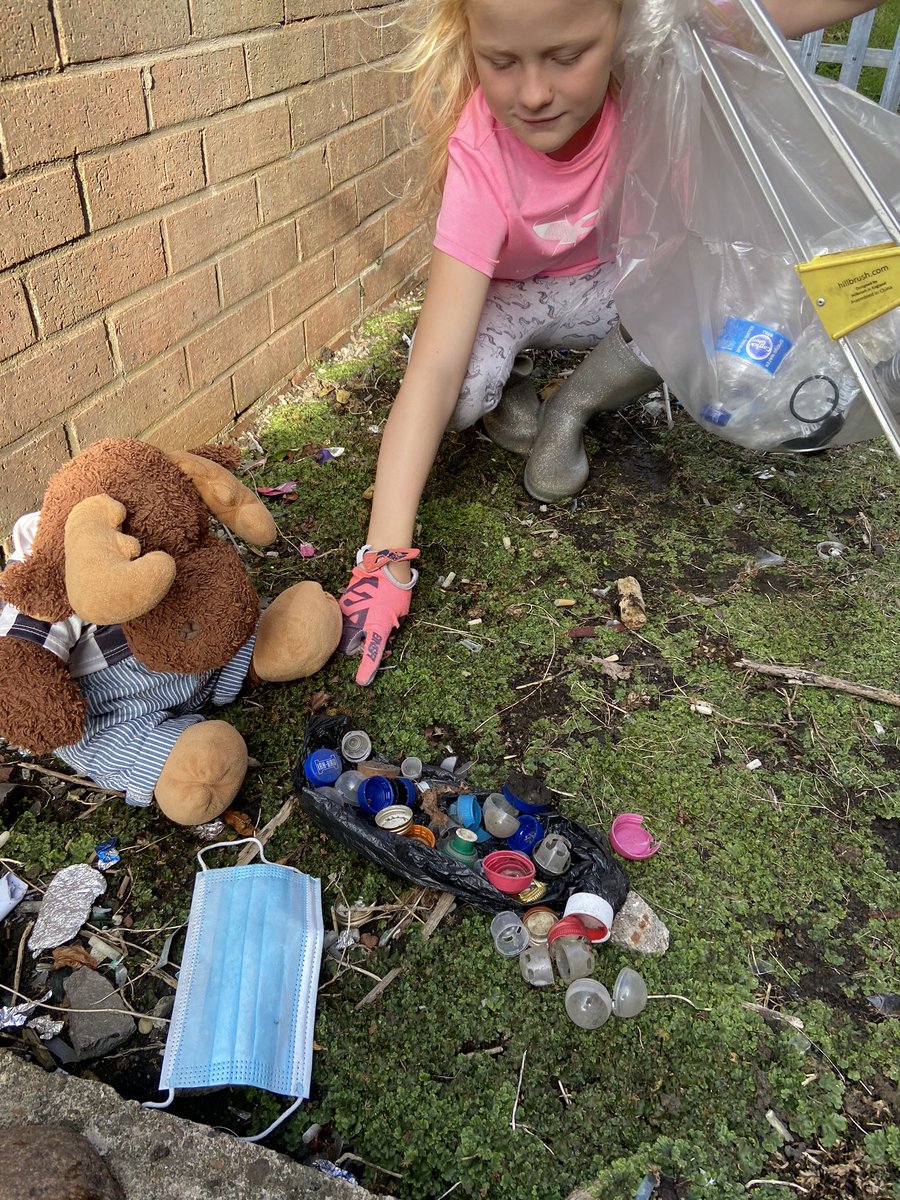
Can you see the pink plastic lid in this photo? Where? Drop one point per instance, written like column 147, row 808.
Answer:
column 508, row 870
column 628, row 837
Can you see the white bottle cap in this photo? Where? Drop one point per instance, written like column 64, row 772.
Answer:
column 593, row 910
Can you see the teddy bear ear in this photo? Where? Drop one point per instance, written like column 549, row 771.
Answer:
column 108, row 580
column 227, row 499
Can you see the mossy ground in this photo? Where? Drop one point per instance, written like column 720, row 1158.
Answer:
column 778, row 883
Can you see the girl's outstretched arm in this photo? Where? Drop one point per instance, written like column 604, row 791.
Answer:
column 796, row 17
column 379, row 591
column 454, row 299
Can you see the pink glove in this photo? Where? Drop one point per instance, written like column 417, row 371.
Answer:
column 373, row 606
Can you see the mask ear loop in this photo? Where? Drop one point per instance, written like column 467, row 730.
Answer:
column 225, row 845
column 284, row 1116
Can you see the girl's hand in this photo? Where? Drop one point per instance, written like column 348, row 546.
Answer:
column 373, row 606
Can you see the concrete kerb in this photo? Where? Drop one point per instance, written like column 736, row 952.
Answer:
column 153, row 1153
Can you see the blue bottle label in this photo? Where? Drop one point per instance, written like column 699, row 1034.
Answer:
column 754, row 343
column 715, row 414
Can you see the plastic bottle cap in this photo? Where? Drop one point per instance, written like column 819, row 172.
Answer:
column 553, row 854
column 411, row 768
column 523, row 805
column 594, row 912
column 509, row 934
column 508, row 871
column 588, row 1003
column 536, row 965
column 628, row 837
column 566, row 927
column 629, row 993
column 405, row 792
column 500, row 816
column 322, row 766
column 464, row 839
column 528, row 834
column 356, row 745
column 421, row 833
column 466, row 810
column 374, row 794
column 460, row 845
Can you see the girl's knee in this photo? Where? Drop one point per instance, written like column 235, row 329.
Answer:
column 479, row 395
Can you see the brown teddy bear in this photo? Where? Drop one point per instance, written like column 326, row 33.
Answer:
column 124, row 616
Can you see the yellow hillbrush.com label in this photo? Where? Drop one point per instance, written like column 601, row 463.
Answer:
column 852, row 287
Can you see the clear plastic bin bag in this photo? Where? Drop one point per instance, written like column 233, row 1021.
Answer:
column 708, row 288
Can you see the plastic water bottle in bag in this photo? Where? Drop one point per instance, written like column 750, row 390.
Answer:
column 782, row 392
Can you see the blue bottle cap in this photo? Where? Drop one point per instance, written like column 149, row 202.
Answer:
column 405, row 792
column 522, row 805
column 375, row 793
column 466, row 810
column 528, row 834
column 322, row 766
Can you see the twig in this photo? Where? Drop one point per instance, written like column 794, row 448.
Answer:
column 75, row 780
column 525, row 1129
column 380, row 987
column 348, row 1157
column 60, row 1008
column 512, row 1119
column 673, row 996
column 266, row 832
column 815, row 679
column 440, row 910
column 772, row 1014
column 18, row 975
column 451, row 1188
column 751, row 1183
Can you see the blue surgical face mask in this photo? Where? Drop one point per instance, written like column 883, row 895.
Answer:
column 246, row 998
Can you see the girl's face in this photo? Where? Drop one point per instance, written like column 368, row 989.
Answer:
column 544, row 67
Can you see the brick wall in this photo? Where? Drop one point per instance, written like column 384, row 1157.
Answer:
column 196, row 196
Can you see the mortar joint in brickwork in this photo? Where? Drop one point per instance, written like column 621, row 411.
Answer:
column 147, row 88
column 57, row 39
column 113, row 342
column 82, row 195
column 220, row 287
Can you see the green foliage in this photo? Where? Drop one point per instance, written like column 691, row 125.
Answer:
column 884, row 30
column 383, row 355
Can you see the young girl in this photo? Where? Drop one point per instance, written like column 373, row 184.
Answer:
column 521, row 125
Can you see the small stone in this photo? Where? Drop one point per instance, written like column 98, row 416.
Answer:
column 95, row 1033
column 631, row 603
column 638, row 928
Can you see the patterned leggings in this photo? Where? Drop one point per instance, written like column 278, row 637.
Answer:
column 574, row 312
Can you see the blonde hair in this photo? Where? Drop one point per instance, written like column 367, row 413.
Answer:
column 442, row 68
column 441, row 64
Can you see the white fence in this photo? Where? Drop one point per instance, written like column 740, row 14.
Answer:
column 853, row 55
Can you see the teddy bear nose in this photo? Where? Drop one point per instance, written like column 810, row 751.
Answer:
column 189, row 630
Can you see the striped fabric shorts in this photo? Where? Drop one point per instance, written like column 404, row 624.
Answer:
column 135, row 716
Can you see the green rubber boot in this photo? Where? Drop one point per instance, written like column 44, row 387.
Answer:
column 609, row 378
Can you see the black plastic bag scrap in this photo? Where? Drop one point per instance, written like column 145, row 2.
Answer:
column 593, row 867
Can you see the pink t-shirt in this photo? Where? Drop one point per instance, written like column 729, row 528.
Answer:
column 512, row 212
